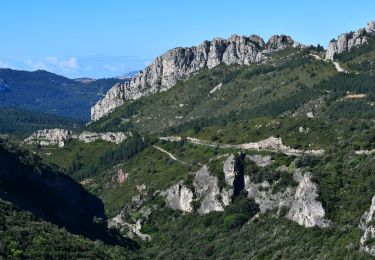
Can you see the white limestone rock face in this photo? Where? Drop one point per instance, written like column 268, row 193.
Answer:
column 49, row 137
column 60, row 136
column 306, row 210
column 264, row 197
column 167, row 69
column 367, row 225
column 348, row 41
column 113, row 98
column 89, row 137
column 301, row 201
column 127, row 224
column 179, row 197
column 229, row 170
column 207, row 191
column 261, row 161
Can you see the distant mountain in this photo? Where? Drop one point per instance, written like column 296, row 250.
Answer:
column 127, row 75
column 50, row 93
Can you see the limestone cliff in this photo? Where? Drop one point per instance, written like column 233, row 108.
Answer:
column 60, row 137
column 367, row 225
column 306, row 210
column 177, row 63
column 300, row 201
column 348, row 41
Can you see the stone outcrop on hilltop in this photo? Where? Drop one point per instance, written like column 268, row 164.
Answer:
column 177, row 63
column 59, row 137
column 348, row 41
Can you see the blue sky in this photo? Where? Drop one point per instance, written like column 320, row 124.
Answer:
column 109, row 37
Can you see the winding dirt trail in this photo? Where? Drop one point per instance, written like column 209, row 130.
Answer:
column 168, row 153
column 271, row 144
column 337, row 65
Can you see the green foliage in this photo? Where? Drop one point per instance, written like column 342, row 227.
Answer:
column 25, row 237
column 108, row 158
column 18, row 121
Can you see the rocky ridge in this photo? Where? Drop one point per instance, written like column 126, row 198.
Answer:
column 348, row 41
column 60, row 137
column 177, row 63
column 301, row 201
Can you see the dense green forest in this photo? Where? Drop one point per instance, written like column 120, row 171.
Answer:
column 16, row 121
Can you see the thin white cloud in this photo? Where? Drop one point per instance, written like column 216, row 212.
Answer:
column 36, row 65
column 4, row 64
column 69, row 64
column 115, row 68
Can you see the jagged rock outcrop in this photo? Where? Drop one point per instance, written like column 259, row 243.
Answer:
column 266, row 200
column 179, row 197
column 129, row 221
column 89, row 137
column 300, row 200
column 348, row 41
column 367, row 225
column 207, row 191
column 306, row 210
column 261, row 161
column 49, row 137
column 113, row 98
column 59, row 137
column 177, row 63
column 125, row 224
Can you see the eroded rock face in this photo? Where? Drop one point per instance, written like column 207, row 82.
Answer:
column 49, row 137
column 300, row 201
column 177, row 63
column 179, row 197
column 230, row 170
column 265, row 199
column 348, row 41
column 114, row 98
column 261, row 161
column 368, row 227
column 207, row 191
column 128, row 224
column 306, row 210
column 89, row 137
column 60, row 136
